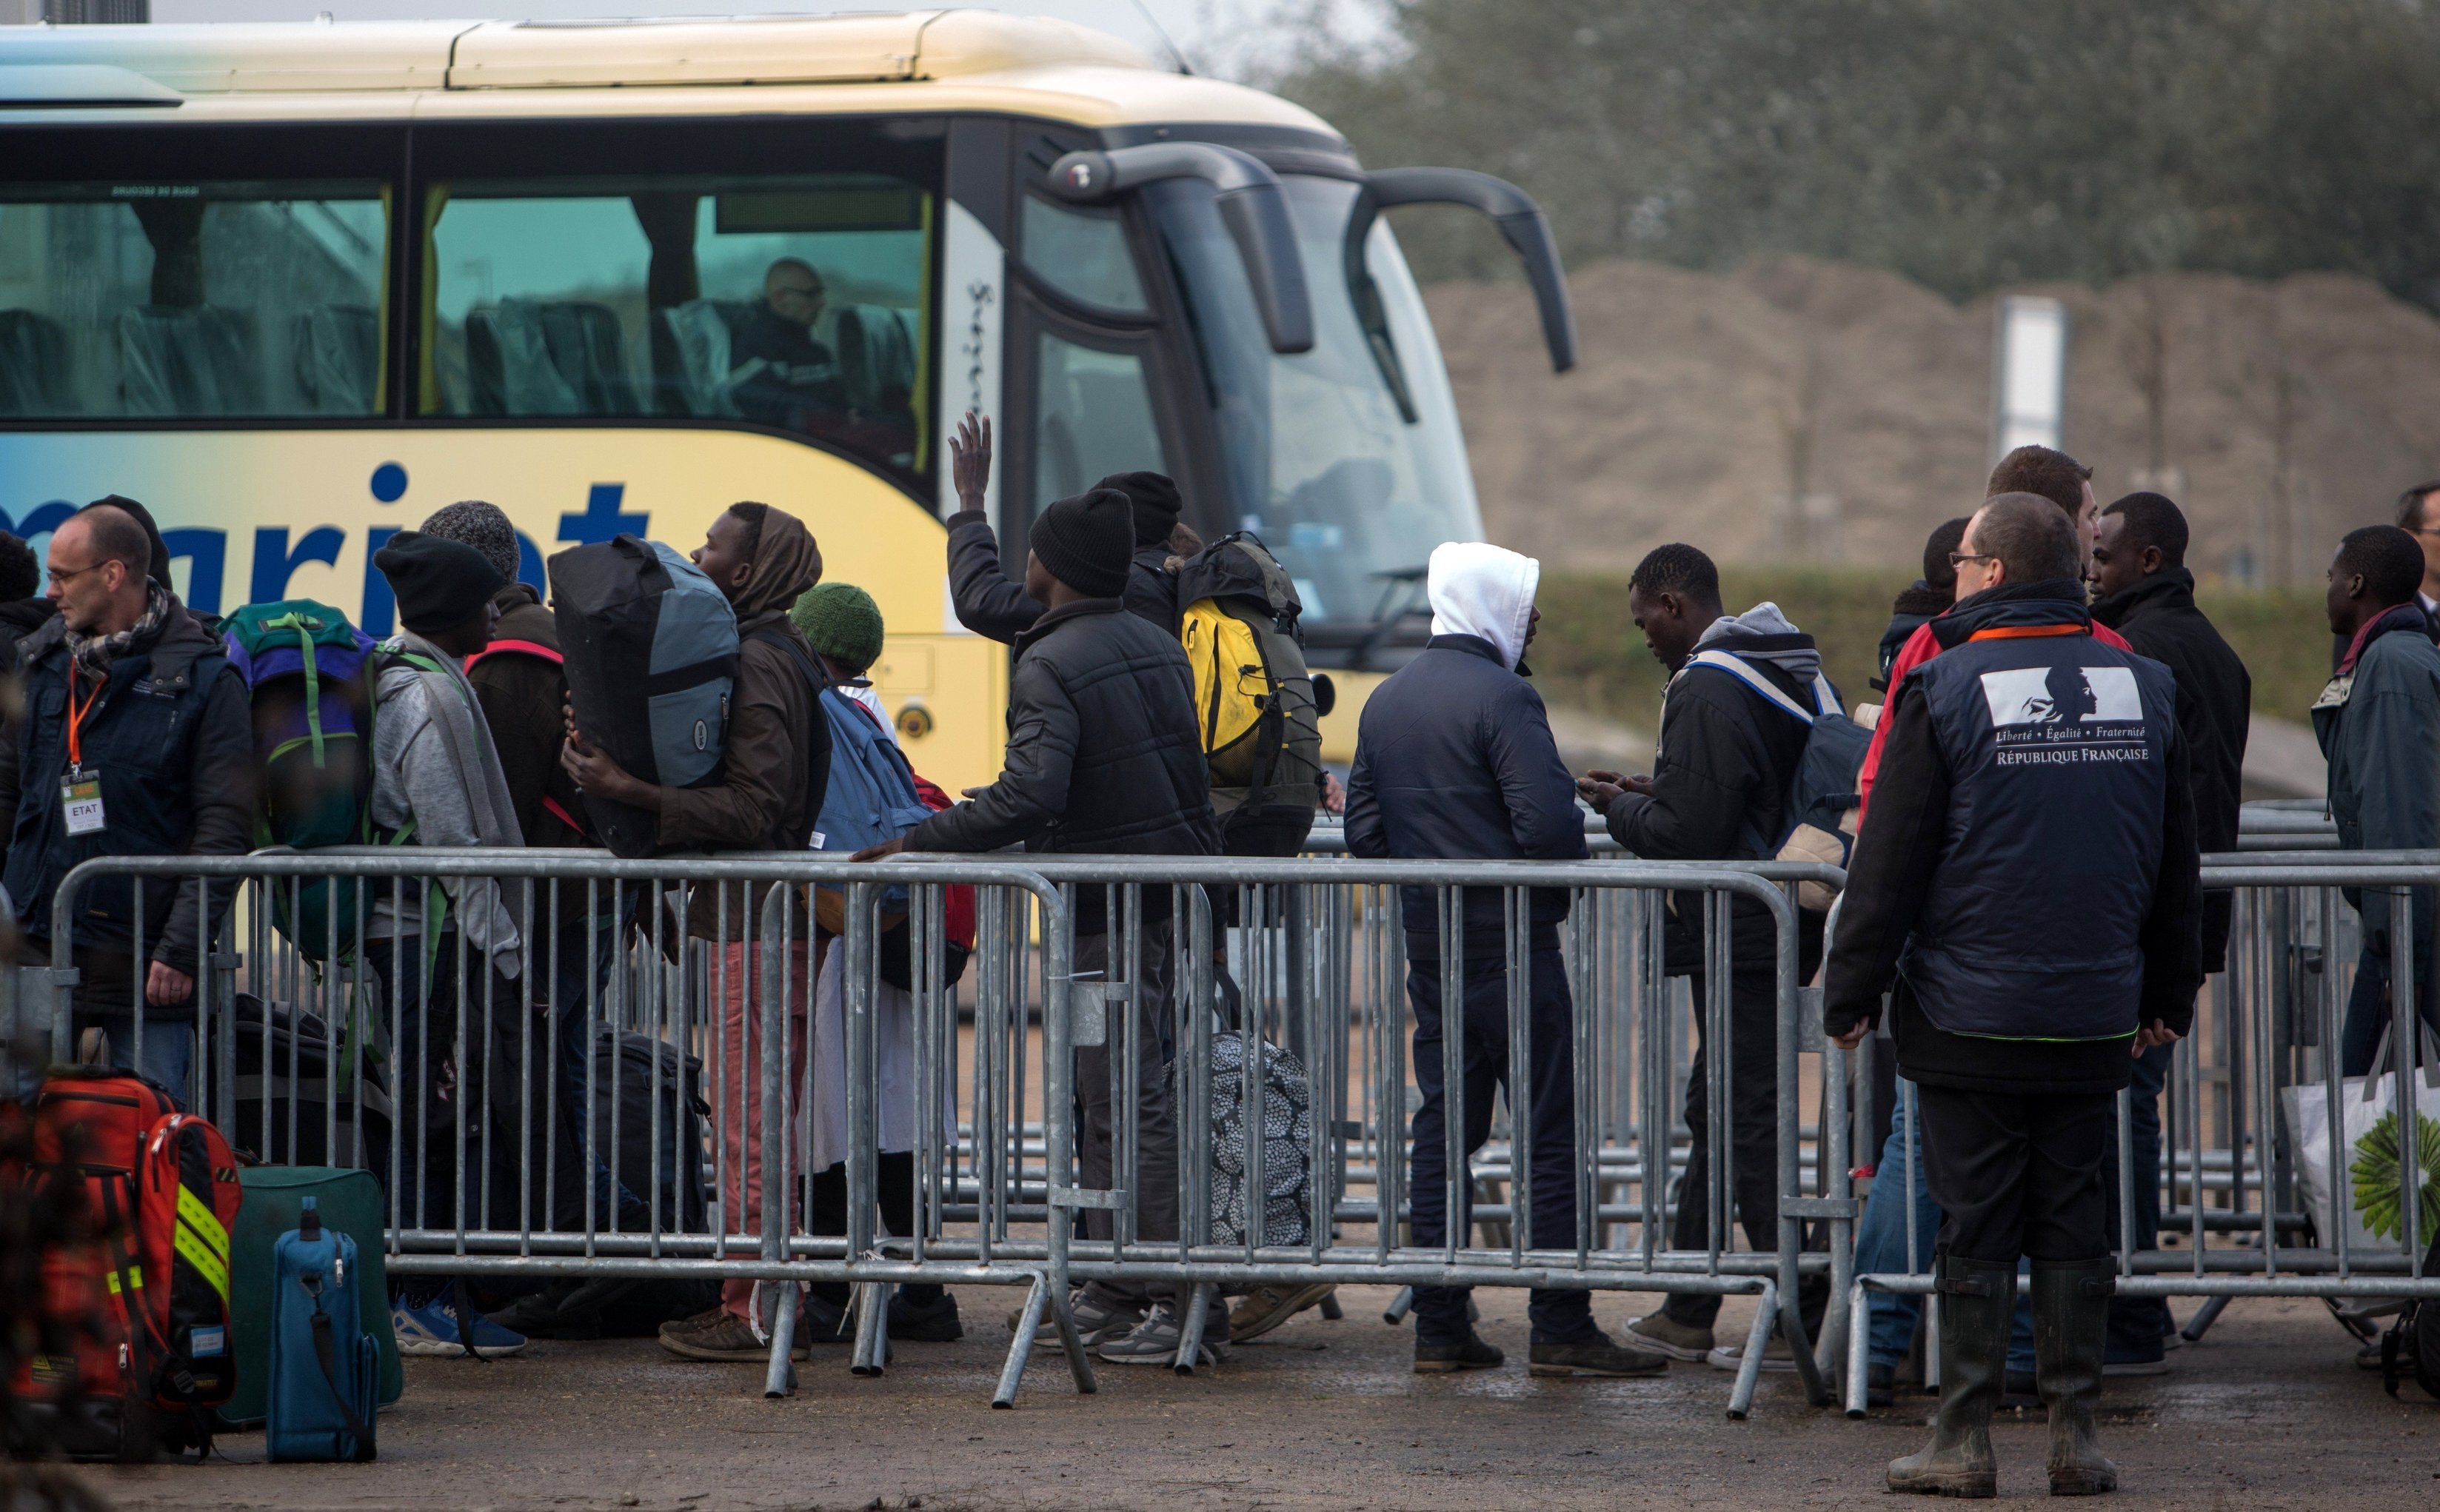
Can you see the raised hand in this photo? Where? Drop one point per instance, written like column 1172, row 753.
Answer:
column 969, row 456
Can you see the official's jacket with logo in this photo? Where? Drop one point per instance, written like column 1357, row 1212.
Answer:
column 169, row 738
column 2031, row 885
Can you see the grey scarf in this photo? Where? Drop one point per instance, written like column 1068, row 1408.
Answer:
column 93, row 654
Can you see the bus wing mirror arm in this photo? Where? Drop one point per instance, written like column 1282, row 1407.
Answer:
column 1252, row 206
column 1521, row 221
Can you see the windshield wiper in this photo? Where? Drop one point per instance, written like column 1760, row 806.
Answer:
column 1399, row 601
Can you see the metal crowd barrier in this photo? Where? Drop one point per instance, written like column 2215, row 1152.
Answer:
column 2228, row 1181
column 303, row 1057
column 1289, row 974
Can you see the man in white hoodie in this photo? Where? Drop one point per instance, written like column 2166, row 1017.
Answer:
column 1454, row 760
column 451, row 944
column 1719, row 783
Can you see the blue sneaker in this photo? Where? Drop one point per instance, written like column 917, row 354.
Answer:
column 432, row 1329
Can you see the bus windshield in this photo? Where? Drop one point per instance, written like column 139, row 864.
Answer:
column 1346, row 459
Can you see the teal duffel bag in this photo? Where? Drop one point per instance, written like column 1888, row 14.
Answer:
column 350, row 1201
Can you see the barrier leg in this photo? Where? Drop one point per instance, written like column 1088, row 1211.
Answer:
column 871, row 1328
column 1331, row 1311
column 1029, row 1319
column 1401, row 1304
column 1079, row 1360
column 1741, row 1396
column 1190, row 1328
column 1860, row 1347
column 2205, row 1317
column 781, row 1379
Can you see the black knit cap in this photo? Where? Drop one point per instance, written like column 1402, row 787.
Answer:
column 1155, row 501
column 1088, row 542
column 440, row 584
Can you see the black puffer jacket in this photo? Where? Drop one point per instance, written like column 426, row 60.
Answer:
column 996, row 607
column 1454, row 760
column 1719, row 787
column 2215, row 712
column 1103, row 753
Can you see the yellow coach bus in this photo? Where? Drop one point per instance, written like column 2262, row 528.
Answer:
column 296, row 287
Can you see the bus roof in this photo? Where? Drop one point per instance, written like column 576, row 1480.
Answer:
column 915, row 60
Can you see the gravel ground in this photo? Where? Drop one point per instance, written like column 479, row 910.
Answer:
column 2268, row 1412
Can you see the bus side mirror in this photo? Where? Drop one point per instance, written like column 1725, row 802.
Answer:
column 1520, row 222
column 1252, row 206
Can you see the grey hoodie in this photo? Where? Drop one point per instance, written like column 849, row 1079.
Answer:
column 1736, row 633
column 435, row 764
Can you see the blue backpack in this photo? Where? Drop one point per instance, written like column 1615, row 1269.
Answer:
column 872, row 797
column 1818, row 819
column 323, row 1395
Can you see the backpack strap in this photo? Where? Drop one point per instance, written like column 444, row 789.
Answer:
column 1825, row 699
column 326, row 1355
column 517, row 648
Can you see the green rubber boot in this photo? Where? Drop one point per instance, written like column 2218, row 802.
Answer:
column 2071, row 1325
column 1977, row 1300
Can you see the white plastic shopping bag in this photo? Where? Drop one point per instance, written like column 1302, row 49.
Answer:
column 2363, row 1101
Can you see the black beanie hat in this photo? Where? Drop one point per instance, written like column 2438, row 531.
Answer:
column 1155, row 501
column 439, row 584
column 1088, row 542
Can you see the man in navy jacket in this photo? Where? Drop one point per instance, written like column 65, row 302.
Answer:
column 1454, row 760
column 2029, row 886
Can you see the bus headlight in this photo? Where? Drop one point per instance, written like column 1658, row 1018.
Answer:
column 914, row 720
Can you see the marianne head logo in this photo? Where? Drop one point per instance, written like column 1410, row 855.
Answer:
column 2063, row 695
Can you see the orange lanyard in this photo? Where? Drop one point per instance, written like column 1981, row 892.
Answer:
column 75, row 716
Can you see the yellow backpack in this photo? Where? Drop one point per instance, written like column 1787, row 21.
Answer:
column 1254, row 698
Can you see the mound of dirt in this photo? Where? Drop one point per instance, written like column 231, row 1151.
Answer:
column 1806, row 411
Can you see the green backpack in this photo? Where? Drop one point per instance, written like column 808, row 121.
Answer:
column 309, row 677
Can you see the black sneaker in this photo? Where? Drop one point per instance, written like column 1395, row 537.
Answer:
column 1596, row 1356
column 932, row 1322
column 822, row 1323
column 1474, row 1354
column 1880, row 1385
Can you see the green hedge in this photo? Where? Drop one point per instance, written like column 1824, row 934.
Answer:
column 1588, row 653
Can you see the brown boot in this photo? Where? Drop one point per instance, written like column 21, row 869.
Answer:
column 2070, row 1327
column 1977, row 1300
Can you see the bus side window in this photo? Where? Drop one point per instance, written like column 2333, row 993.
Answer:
column 794, row 304
column 191, row 300
column 1084, row 256
column 1093, row 416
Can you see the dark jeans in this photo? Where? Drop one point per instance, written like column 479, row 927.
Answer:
column 570, row 981
column 1559, row 1315
column 2368, row 1012
column 1155, row 1187
column 1754, row 1136
column 2017, row 1174
column 2135, row 1320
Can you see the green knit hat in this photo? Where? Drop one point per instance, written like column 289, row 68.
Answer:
column 841, row 621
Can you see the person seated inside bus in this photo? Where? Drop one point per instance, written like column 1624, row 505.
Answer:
column 780, row 373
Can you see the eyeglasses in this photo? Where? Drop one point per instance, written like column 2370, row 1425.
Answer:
column 1958, row 559
column 71, row 574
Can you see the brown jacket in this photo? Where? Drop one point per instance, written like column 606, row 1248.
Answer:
column 764, row 799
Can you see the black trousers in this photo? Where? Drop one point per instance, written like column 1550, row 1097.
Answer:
column 1753, row 1135
column 895, row 1195
column 2019, row 1175
column 1559, row 1315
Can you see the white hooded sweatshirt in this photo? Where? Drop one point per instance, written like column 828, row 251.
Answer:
column 1479, row 589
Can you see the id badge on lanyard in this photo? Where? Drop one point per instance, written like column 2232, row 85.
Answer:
column 81, row 785
column 80, row 797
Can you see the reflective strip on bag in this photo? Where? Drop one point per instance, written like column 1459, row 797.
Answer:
column 203, row 1241
column 134, row 1279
